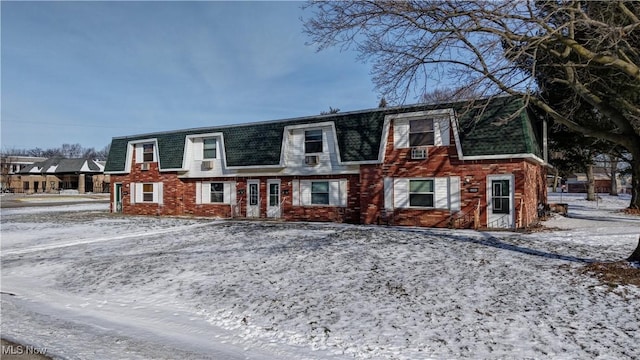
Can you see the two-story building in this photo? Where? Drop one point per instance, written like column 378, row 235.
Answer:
column 421, row 165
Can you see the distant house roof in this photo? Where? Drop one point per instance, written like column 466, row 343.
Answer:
column 63, row 166
column 497, row 126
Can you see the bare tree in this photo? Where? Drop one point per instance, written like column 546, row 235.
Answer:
column 445, row 95
column 501, row 47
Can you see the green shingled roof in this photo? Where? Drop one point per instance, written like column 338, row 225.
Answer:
column 488, row 129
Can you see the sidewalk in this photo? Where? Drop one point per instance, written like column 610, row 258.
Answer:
column 21, row 200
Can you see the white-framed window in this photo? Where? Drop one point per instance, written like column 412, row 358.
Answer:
column 147, row 152
column 209, row 148
column 147, row 192
column 313, row 141
column 428, row 193
column 320, row 193
column 421, row 132
column 217, row 193
column 421, row 193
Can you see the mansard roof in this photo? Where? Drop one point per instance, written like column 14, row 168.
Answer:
column 496, row 126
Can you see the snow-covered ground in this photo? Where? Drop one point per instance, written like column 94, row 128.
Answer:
column 86, row 284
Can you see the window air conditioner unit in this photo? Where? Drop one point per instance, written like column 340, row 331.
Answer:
column 311, row 160
column 419, row 153
column 144, row 167
column 207, row 164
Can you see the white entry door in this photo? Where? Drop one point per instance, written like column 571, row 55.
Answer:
column 273, row 198
column 253, row 198
column 500, row 201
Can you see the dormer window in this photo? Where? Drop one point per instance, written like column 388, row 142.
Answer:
column 147, row 152
column 421, row 132
column 209, row 148
column 312, row 141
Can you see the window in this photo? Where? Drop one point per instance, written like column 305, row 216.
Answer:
column 217, row 192
column 500, row 195
column 421, row 193
column 320, row 193
column 253, row 194
column 209, row 149
column 274, row 194
column 421, row 132
column 147, row 152
column 147, row 192
column 313, row 141
column 25, row 185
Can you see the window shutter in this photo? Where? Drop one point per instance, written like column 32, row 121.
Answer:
column 344, row 193
column 198, row 148
column 334, row 193
column 139, row 196
column 441, row 131
column 198, row 192
column 139, row 153
column 388, row 193
column 401, row 134
column 401, row 193
column 295, row 192
column 305, row 192
column 158, row 195
column 230, row 193
column 132, row 193
column 441, row 189
column 454, row 193
column 206, row 193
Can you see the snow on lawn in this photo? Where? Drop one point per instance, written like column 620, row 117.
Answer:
column 106, row 286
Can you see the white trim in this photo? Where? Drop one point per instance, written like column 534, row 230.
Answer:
column 219, row 155
column 456, row 135
column 310, row 126
column 504, row 157
column 512, row 206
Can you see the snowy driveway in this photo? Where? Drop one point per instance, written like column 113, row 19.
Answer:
column 91, row 285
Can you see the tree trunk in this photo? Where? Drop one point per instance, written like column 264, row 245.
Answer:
column 635, row 175
column 636, row 254
column 556, row 180
column 591, row 192
column 613, row 165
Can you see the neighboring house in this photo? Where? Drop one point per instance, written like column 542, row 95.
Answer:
column 10, row 165
column 56, row 174
column 421, row 165
column 577, row 182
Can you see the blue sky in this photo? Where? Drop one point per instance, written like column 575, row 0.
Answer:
column 84, row 72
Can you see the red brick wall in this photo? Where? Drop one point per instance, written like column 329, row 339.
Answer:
column 365, row 203
column 443, row 161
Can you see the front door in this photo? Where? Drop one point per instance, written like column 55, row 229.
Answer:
column 253, row 198
column 273, row 198
column 500, row 209
column 117, row 198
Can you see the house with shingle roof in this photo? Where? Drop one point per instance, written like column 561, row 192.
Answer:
column 472, row 163
column 57, row 174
